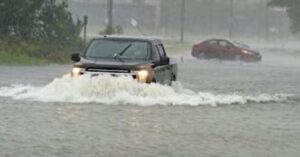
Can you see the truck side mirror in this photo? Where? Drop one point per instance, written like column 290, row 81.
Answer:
column 75, row 57
column 165, row 61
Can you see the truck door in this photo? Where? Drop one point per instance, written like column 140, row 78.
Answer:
column 167, row 69
column 163, row 70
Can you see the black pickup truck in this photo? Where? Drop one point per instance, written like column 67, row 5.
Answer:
column 143, row 59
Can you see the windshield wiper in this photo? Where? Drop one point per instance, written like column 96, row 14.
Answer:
column 119, row 54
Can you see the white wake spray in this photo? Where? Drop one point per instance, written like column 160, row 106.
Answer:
column 122, row 90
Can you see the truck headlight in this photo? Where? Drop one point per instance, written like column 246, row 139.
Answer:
column 77, row 71
column 142, row 76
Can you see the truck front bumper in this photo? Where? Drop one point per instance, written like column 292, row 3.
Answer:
column 142, row 76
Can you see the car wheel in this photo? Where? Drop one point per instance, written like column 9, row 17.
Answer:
column 237, row 58
column 202, row 55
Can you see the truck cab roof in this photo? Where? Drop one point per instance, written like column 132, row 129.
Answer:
column 136, row 38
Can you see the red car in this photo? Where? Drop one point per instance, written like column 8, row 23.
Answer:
column 224, row 49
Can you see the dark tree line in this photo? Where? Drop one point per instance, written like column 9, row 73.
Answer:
column 44, row 20
column 293, row 11
column 38, row 29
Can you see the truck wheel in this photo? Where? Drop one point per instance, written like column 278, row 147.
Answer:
column 170, row 83
column 154, row 80
column 173, row 79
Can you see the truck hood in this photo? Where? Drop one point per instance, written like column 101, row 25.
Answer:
column 113, row 64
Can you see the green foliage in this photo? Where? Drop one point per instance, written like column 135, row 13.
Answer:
column 46, row 20
column 293, row 11
column 109, row 30
column 19, row 51
column 119, row 29
column 18, row 46
column 21, row 59
column 56, row 24
column 38, row 29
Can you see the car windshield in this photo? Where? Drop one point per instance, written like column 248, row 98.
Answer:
column 122, row 49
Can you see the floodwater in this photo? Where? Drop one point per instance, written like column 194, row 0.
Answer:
column 216, row 109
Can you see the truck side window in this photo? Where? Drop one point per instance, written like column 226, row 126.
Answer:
column 161, row 51
column 155, row 53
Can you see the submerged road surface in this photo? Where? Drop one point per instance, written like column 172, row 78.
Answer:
column 216, row 109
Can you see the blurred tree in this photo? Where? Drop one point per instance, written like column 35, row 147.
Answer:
column 18, row 17
column 55, row 23
column 46, row 20
column 293, row 10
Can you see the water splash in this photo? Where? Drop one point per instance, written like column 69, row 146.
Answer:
column 123, row 90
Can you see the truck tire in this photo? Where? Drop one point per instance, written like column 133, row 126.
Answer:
column 173, row 79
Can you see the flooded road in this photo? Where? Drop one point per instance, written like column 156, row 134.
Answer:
column 215, row 109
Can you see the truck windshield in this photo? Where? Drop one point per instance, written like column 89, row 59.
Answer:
column 123, row 49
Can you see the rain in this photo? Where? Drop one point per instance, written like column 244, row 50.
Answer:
column 145, row 78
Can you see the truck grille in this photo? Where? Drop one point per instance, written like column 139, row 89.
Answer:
column 108, row 71
column 112, row 72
